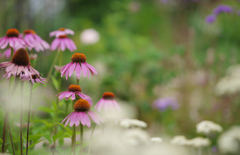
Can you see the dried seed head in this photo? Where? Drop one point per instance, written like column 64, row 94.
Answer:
column 21, row 57
column 62, row 29
column 12, row 33
column 82, row 105
column 108, row 96
column 62, row 36
column 29, row 31
column 74, row 88
column 78, row 57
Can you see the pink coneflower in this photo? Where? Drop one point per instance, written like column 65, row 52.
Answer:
column 61, row 31
column 79, row 65
column 7, row 52
column 13, row 40
column 34, row 78
column 74, row 90
column 20, row 64
column 32, row 38
column 81, row 114
column 62, row 42
column 107, row 102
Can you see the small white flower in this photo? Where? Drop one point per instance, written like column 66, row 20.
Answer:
column 156, row 139
column 89, row 36
column 229, row 141
column 179, row 140
column 135, row 136
column 32, row 56
column 127, row 123
column 199, row 142
column 208, row 127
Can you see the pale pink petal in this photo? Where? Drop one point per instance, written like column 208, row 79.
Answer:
column 65, row 68
column 86, row 119
column 5, row 44
column 66, row 118
column 62, row 44
column 55, row 44
column 71, row 69
column 95, row 117
column 78, row 71
column 63, row 95
column 84, row 69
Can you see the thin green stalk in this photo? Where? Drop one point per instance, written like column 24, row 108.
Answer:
column 30, row 101
column 73, row 133
column 11, row 139
column 81, row 138
column 12, row 50
column 94, row 125
column 51, row 68
column 66, row 108
column 21, row 114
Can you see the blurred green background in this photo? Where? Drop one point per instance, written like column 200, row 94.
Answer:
column 148, row 49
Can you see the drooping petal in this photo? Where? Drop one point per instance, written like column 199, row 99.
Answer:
column 78, row 71
column 55, row 44
column 71, row 69
column 87, row 120
column 95, row 117
column 62, row 44
column 66, row 118
column 84, row 69
column 62, row 95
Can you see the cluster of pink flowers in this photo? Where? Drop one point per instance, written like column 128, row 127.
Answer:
column 20, row 67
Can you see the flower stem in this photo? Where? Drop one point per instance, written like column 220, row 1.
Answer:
column 73, row 133
column 12, row 51
column 29, row 117
column 11, row 138
column 21, row 114
column 51, row 68
column 81, row 138
column 94, row 125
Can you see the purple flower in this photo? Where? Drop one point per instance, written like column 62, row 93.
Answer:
column 20, row 65
column 107, row 102
column 210, row 19
column 163, row 103
column 74, row 90
column 62, row 42
column 79, row 65
column 81, row 113
column 61, row 31
column 32, row 38
column 222, row 8
column 34, row 78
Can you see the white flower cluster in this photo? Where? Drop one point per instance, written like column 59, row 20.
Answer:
column 135, row 136
column 127, row 123
column 156, row 139
column 195, row 142
column 207, row 127
column 231, row 83
column 229, row 141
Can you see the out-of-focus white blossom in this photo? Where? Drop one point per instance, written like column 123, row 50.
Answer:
column 32, row 56
column 199, row 142
column 135, row 136
column 208, row 127
column 229, row 84
column 156, row 139
column 180, row 140
column 89, row 36
column 58, row 68
column 229, row 141
column 127, row 123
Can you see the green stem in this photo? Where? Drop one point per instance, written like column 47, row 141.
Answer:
column 73, row 133
column 66, row 109
column 94, row 125
column 11, row 139
column 30, row 100
column 51, row 68
column 21, row 114
column 81, row 138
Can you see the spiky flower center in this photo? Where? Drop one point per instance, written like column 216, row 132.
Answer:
column 78, row 57
column 21, row 57
column 82, row 105
column 12, row 33
column 30, row 31
column 74, row 88
column 62, row 29
column 108, row 96
column 62, row 36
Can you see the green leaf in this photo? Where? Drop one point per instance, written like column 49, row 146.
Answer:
column 36, row 85
column 29, row 147
column 68, row 130
column 61, row 151
column 55, row 82
column 55, row 106
column 45, row 109
column 48, row 138
column 58, row 135
column 1, row 141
